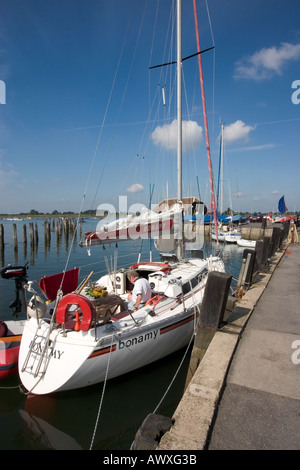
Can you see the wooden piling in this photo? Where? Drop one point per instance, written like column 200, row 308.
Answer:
column 31, row 233
column 2, row 258
column 36, row 234
column 249, row 255
column 1, row 237
column 15, row 237
column 211, row 317
column 24, row 235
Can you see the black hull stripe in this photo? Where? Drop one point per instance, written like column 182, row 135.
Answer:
column 100, row 352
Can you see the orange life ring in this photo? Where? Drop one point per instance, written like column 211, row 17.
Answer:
column 82, row 302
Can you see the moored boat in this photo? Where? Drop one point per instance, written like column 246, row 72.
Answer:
column 246, row 243
column 93, row 335
column 10, row 339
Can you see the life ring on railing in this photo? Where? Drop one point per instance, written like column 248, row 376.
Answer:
column 80, row 301
column 154, row 300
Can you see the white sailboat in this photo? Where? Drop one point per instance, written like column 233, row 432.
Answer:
column 227, row 232
column 91, row 337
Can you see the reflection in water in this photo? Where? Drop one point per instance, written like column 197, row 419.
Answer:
column 38, row 434
column 127, row 401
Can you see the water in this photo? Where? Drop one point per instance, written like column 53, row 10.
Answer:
column 68, row 420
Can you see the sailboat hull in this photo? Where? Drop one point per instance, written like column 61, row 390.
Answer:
column 83, row 361
column 227, row 237
column 57, row 357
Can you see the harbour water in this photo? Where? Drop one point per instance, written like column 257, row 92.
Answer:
column 93, row 417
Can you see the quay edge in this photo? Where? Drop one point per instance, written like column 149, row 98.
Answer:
column 194, row 419
column 195, row 413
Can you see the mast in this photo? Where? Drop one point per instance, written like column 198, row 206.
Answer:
column 221, row 172
column 206, row 125
column 179, row 104
column 179, row 250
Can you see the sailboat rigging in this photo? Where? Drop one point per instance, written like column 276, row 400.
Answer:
column 89, row 328
column 227, row 233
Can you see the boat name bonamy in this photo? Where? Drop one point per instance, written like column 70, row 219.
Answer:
column 37, row 348
column 138, row 339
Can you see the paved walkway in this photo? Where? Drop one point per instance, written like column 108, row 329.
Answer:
column 260, row 406
column 245, row 393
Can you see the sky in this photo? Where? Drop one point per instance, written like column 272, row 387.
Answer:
column 83, row 120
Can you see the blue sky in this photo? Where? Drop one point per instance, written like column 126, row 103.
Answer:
column 81, row 113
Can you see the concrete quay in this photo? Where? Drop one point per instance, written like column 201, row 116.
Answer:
column 245, row 393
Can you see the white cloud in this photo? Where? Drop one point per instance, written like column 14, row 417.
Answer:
column 255, row 147
column 192, row 135
column 267, row 62
column 135, row 188
column 236, row 131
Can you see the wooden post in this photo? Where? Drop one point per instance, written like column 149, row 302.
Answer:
column 1, row 237
column 211, row 317
column 259, row 246
column 275, row 240
column 2, row 259
column 15, row 237
column 24, row 234
column 31, row 234
column 265, row 255
column 249, row 255
column 36, row 234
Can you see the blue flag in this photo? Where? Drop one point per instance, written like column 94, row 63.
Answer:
column 281, row 205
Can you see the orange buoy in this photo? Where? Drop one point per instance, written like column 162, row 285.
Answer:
column 77, row 324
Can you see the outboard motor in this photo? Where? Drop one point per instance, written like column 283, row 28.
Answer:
column 19, row 275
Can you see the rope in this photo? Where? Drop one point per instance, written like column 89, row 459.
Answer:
column 102, row 395
column 180, row 365
column 175, row 375
column 10, row 388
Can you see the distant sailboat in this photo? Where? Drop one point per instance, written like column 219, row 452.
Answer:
column 226, row 232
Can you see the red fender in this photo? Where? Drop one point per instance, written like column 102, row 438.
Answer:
column 82, row 302
column 3, row 329
column 154, row 300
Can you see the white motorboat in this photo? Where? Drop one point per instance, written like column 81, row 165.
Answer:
column 228, row 235
column 246, row 243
